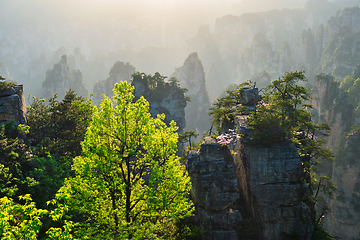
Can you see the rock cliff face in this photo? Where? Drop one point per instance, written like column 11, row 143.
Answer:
column 61, row 78
column 331, row 105
column 272, row 188
column 343, row 219
column 12, row 105
column 192, row 77
column 168, row 99
column 119, row 72
column 340, row 41
column 214, row 190
column 259, row 193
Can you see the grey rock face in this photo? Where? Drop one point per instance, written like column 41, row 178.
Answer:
column 214, row 190
column 343, row 219
column 264, row 185
column 12, row 105
column 273, row 192
column 331, row 105
column 191, row 76
column 61, row 78
column 170, row 101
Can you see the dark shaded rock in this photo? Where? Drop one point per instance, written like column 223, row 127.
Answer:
column 12, row 105
column 272, row 187
column 214, row 190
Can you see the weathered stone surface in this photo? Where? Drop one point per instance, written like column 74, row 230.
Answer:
column 272, row 190
column 214, row 190
column 343, row 219
column 12, row 105
column 170, row 101
column 331, row 105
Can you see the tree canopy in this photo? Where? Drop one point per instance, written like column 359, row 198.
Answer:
column 128, row 183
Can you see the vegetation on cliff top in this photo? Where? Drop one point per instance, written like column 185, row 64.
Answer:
column 5, row 84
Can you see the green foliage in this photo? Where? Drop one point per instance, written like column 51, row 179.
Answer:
column 56, row 131
column 5, row 84
column 156, row 85
column 186, row 137
column 320, row 234
column 15, row 163
column 128, row 182
column 59, row 127
column 283, row 110
column 20, row 221
column 221, row 111
column 294, row 235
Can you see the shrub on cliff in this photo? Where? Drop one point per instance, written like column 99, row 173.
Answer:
column 5, row 84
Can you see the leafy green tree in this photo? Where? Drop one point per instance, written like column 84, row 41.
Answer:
column 20, row 221
column 128, row 183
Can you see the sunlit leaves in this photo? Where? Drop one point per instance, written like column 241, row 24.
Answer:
column 128, row 182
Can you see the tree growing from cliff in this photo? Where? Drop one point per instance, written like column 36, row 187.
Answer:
column 128, row 183
column 221, row 111
column 283, row 116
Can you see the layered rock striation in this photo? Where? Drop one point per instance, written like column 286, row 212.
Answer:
column 331, row 105
column 215, row 191
column 12, row 105
column 272, row 187
column 260, row 192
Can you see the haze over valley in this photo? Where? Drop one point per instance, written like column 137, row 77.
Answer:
column 188, row 59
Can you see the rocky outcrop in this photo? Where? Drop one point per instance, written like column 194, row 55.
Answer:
column 119, row 72
column 331, row 105
column 343, row 218
column 260, row 56
column 167, row 98
column 61, row 78
column 340, row 41
column 192, row 77
column 214, row 190
column 12, row 105
column 259, row 193
column 272, row 188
